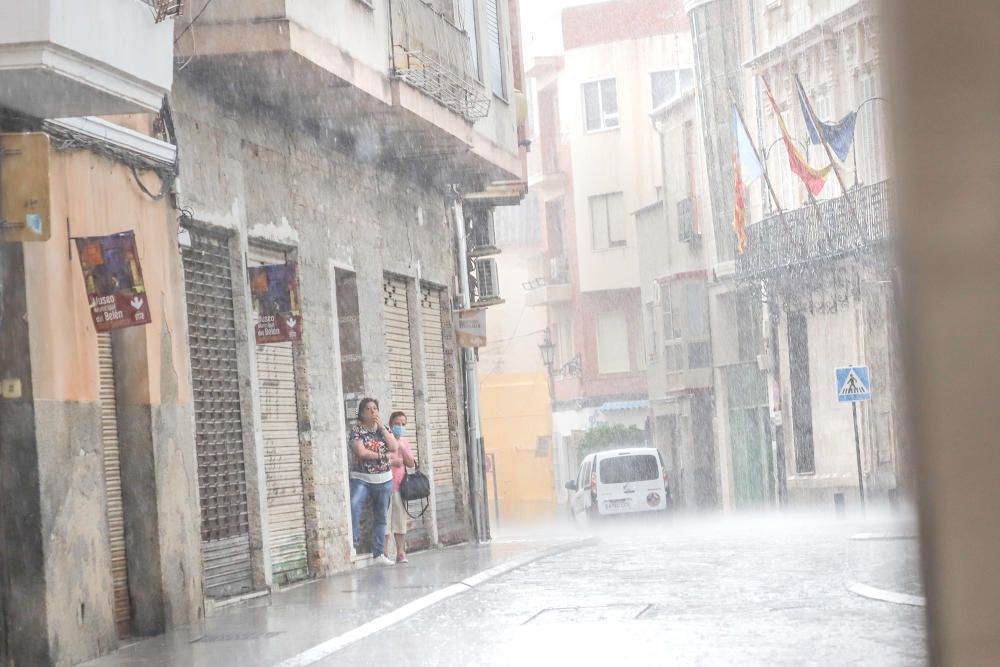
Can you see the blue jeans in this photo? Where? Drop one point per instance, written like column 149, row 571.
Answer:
column 382, row 494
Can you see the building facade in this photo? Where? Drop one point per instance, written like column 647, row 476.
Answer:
column 514, row 383
column 98, row 537
column 827, row 268
column 599, row 164
column 813, row 290
column 673, row 234
column 215, row 468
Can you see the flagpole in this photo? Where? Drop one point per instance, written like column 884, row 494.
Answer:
column 822, row 138
column 770, row 95
column 763, row 165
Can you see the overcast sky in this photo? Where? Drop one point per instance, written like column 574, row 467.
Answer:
column 540, row 25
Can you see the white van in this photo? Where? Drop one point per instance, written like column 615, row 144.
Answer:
column 620, row 481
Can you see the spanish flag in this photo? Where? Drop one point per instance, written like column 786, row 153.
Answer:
column 814, row 179
column 740, row 208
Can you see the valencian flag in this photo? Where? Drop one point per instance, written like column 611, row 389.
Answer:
column 839, row 136
column 739, row 207
column 275, row 293
column 814, row 179
column 747, row 169
column 112, row 275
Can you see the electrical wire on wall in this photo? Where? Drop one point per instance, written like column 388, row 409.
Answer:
column 193, row 21
column 64, row 139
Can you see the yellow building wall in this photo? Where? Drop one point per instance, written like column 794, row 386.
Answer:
column 90, row 195
column 516, row 412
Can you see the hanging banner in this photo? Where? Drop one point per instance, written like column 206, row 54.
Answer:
column 275, row 293
column 470, row 327
column 113, row 278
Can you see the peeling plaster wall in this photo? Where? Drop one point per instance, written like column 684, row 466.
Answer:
column 92, row 195
column 248, row 171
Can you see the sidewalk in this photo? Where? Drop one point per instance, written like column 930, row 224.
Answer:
column 885, row 565
column 268, row 631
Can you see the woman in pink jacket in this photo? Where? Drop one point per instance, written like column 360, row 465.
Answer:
column 401, row 459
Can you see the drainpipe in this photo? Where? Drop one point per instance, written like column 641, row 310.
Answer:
column 474, row 441
column 427, row 453
column 658, row 126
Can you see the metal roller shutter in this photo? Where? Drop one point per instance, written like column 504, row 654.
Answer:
column 282, row 462
column 113, row 504
column 449, row 521
column 398, row 343
column 225, row 529
column 398, row 346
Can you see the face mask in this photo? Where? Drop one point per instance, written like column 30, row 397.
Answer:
column 398, row 431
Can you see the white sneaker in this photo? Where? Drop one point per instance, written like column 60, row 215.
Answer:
column 382, row 560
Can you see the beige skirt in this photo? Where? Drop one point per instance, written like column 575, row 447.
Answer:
column 397, row 515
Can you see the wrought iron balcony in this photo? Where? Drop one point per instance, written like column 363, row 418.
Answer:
column 827, row 231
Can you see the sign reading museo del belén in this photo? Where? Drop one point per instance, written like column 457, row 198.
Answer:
column 275, row 292
column 113, row 278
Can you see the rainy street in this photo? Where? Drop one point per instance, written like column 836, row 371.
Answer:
column 498, row 332
column 742, row 590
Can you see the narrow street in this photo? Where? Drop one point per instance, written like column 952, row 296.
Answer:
column 716, row 591
column 741, row 591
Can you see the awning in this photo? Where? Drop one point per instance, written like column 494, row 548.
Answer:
column 499, row 193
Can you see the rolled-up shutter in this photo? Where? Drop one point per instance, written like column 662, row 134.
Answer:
column 449, row 519
column 113, row 504
column 282, row 462
column 225, row 526
column 399, row 347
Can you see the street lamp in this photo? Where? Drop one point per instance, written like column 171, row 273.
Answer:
column 548, row 350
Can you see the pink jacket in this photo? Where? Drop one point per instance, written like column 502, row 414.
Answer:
column 399, row 471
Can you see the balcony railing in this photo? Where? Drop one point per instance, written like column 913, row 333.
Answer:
column 164, row 9
column 816, row 233
column 434, row 56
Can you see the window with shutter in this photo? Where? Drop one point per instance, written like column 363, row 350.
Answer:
column 470, row 24
column 493, row 38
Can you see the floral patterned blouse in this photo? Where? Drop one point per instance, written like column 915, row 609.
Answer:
column 373, row 472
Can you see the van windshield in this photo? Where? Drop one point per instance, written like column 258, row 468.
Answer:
column 634, row 468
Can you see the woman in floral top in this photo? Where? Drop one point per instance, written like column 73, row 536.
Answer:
column 371, row 474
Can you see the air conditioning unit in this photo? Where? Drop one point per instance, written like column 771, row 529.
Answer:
column 559, row 270
column 487, row 280
column 483, row 238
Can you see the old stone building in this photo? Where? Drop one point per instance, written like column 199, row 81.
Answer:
column 213, row 467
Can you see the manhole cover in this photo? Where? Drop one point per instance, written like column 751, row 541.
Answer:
column 607, row 612
column 237, row 637
column 395, row 588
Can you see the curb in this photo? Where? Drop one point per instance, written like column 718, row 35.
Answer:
column 883, row 595
column 331, row 646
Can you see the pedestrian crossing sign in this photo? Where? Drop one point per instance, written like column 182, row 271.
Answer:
column 853, row 384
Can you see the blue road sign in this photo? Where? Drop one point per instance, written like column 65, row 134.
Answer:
column 853, row 384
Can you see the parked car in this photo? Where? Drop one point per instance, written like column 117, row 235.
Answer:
column 620, row 481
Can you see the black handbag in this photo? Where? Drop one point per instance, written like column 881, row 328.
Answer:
column 415, row 485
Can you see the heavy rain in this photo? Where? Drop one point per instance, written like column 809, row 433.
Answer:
column 498, row 332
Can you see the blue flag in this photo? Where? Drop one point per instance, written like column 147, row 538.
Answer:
column 749, row 164
column 839, row 135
